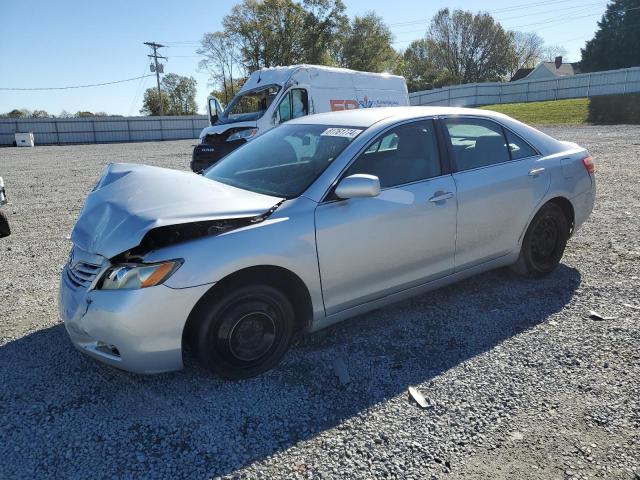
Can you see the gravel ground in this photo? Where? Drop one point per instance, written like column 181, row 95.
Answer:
column 520, row 383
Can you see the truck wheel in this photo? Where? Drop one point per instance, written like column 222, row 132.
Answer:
column 244, row 333
column 544, row 242
column 5, row 231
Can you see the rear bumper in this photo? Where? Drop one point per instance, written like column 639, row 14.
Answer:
column 135, row 330
column 583, row 205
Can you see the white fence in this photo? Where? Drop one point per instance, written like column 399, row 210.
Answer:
column 610, row 82
column 102, row 129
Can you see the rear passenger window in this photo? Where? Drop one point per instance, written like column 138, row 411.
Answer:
column 405, row 154
column 519, row 148
column 476, row 143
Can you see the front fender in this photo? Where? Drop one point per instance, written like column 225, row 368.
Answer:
column 286, row 239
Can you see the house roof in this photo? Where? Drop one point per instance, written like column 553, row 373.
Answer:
column 521, row 73
column 565, row 69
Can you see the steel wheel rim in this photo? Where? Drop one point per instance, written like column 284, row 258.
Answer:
column 251, row 336
column 544, row 240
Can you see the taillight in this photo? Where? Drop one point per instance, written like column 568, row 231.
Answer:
column 588, row 164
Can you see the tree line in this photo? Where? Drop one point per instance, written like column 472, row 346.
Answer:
column 24, row 113
column 458, row 46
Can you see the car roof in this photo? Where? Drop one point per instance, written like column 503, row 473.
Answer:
column 366, row 117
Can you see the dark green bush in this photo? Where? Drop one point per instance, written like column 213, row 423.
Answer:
column 615, row 109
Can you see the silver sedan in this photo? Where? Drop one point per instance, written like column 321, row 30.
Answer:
column 318, row 220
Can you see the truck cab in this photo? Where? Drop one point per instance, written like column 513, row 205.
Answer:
column 272, row 96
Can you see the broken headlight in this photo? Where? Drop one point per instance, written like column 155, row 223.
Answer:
column 130, row 276
column 246, row 134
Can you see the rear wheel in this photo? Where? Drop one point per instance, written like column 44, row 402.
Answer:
column 244, row 333
column 5, row 230
column 544, row 242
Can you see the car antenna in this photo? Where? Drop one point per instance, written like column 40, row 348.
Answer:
column 259, row 75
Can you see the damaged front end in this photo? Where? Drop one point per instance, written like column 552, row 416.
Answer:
column 173, row 234
column 135, row 209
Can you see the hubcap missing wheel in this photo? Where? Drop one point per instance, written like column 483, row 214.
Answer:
column 252, row 336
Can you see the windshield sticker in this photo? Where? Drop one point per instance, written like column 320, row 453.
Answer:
column 341, row 132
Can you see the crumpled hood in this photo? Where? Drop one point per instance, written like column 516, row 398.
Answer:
column 223, row 127
column 129, row 200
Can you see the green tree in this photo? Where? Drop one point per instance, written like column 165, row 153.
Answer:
column 472, row 48
column 178, row 95
column 151, row 102
column 40, row 114
column 617, row 42
column 324, row 25
column 269, row 32
column 417, row 68
column 367, row 46
column 83, row 114
column 19, row 113
column 181, row 92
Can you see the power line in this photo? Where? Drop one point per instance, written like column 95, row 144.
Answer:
column 498, row 10
column 138, row 88
column 76, row 86
column 574, row 10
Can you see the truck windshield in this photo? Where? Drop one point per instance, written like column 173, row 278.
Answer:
column 285, row 161
column 250, row 105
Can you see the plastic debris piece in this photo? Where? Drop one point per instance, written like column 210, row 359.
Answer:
column 417, row 397
column 341, row 371
column 593, row 315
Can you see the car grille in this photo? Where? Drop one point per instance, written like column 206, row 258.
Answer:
column 82, row 274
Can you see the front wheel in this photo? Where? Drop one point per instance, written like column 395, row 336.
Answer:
column 544, row 242
column 244, row 333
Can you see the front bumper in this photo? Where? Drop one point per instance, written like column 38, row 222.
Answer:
column 206, row 154
column 135, row 330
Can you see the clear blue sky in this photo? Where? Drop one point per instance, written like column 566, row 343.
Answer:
column 46, row 43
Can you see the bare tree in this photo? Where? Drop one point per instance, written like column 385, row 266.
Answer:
column 550, row 52
column 528, row 50
column 472, row 48
column 222, row 61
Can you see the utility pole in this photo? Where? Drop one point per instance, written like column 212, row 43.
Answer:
column 155, row 56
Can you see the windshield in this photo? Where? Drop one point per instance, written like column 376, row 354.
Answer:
column 250, row 105
column 284, row 161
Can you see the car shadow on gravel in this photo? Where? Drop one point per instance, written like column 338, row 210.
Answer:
column 62, row 413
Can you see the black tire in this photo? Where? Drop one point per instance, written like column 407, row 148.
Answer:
column 244, row 332
column 5, row 230
column 544, row 242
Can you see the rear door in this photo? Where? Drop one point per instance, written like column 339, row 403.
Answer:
column 500, row 181
column 372, row 247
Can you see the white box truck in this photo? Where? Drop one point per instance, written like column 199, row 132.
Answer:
column 272, row 96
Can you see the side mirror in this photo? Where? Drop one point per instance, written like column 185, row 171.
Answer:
column 357, row 186
column 214, row 109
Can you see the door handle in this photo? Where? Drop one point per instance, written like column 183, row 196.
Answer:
column 534, row 172
column 441, row 196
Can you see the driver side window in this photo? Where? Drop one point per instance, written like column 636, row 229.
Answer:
column 293, row 105
column 405, row 154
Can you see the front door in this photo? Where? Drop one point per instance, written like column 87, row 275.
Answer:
column 372, row 247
